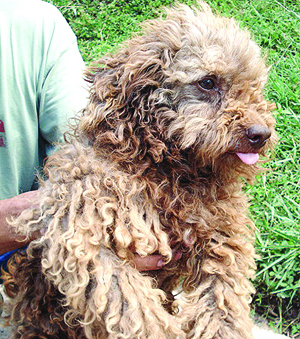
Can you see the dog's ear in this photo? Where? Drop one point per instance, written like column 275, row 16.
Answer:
column 129, row 75
column 121, row 112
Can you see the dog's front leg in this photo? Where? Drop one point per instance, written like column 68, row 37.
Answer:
column 218, row 308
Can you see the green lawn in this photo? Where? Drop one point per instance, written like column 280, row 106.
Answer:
column 275, row 25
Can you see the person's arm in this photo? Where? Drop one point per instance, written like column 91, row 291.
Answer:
column 9, row 240
column 12, row 208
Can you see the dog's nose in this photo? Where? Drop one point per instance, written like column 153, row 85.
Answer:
column 258, row 135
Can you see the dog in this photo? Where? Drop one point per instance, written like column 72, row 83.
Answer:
column 175, row 125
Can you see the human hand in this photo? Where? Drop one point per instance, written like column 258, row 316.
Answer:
column 12, row 207
column 152, row 262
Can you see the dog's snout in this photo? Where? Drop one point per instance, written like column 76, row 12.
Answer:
column 258, row 135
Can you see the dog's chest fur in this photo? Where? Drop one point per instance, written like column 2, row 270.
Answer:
column 146, row 214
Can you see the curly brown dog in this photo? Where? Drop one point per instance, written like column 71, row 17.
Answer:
column 175, row 121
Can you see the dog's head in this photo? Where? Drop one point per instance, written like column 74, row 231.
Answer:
column 190, row 85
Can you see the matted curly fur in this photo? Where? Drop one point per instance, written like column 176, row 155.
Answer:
column 175, row 119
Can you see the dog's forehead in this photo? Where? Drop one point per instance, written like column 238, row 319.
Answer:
column 216, row 45
column 217, row 60
column 190, row 66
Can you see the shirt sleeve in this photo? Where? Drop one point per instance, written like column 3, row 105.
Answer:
column 63, row 92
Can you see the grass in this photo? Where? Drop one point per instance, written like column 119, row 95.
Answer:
column 101, row 25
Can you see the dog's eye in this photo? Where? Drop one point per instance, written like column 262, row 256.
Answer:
column 206, row 84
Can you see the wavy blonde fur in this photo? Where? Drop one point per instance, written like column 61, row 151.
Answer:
column 151, row 169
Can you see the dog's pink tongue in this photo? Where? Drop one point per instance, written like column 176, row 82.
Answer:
column 248, row 158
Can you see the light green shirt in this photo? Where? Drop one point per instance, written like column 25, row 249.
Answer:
column 40, row 87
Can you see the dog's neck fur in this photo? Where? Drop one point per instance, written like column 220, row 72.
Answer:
column 178, row 173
